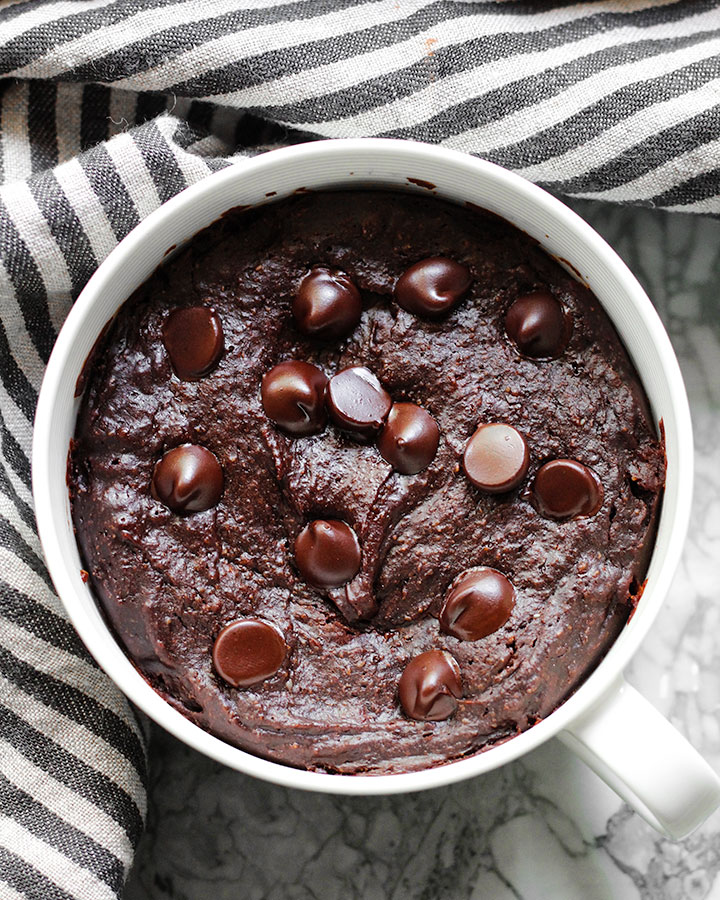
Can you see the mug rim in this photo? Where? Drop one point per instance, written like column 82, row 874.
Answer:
column 53, row 524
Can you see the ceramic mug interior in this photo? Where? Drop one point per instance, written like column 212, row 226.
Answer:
column 356, row 164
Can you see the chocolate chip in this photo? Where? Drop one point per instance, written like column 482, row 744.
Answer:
column 496, row 458
column 293, row 397
column 430, row 686
column 409, row 439
column 327, row 553
column 538, row 325
column 327, row 305
column 248, row 651
column 478, row 603
column 432, row 286
column 566, row 489
column 193, row 338
column 357, row 401
column 188, row 479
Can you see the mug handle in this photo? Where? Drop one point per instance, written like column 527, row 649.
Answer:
column 644, row 759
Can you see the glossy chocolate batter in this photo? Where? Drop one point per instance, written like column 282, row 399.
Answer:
column 489, row 581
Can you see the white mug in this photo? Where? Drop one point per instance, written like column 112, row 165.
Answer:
column 606, row 722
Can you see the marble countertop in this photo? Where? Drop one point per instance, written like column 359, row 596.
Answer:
column 545, row 827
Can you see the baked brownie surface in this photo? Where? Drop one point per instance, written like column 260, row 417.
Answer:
column 170, row 582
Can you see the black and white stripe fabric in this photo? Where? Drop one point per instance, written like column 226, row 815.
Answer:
column 613, row 99
column 109, row 107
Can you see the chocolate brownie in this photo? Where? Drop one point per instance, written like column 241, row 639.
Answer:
column 365, row 482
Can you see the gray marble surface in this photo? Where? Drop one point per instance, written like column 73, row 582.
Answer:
column 543, row 828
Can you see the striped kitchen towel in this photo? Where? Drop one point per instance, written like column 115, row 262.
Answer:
column 109, row 107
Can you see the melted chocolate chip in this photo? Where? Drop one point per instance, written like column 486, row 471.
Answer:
column 188, row 479
column 357, row 401
column 496, row 458
column 478, row 603
column 409, row 439
column 327, row 553
column 566, row 489
column 430, row 686
column 327, row 306
column 432, row 286
column 248, row 651
column 193, row 338
column 538, row 325
column 293, row 397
